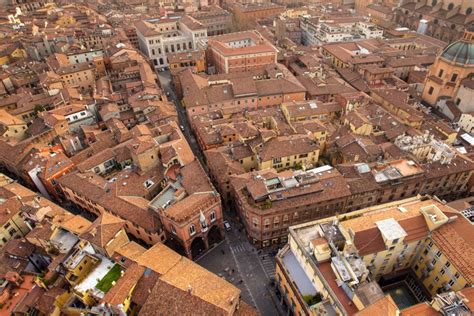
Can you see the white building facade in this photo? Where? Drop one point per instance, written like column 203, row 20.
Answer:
column 159, row 37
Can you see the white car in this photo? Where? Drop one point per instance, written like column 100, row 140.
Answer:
column 227, row 226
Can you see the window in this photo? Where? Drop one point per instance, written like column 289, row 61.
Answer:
column 192, row 230
column 454, row 77
column 276, row 222
column 213, row 216
column 255, row 222
column 266, row 223
column 440, row 74
column 430, row 90
column 12, row 231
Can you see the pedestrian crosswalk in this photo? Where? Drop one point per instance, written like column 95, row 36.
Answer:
column 238, row 247
column 268, row 264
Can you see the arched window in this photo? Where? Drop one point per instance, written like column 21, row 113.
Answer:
column 434, row 2
column 192, row 230
column 450, row 6
column 468, row 11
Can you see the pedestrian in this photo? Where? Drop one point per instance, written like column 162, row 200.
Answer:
column 232, row 270
column 263, row 257
column 223, row 251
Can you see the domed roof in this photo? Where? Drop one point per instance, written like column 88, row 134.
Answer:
column 460, row 52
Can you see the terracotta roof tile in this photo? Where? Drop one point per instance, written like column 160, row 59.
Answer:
column 455, row 241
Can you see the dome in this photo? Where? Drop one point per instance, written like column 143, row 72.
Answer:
column 461, row 52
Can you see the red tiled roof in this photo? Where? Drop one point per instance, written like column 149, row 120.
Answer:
column 455, row 240
column 330, row 278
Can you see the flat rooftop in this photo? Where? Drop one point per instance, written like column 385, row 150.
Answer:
column 64, row 239
column 297, row 274
column 167, row 196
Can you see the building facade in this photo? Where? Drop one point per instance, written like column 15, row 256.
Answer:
column 242, row 51
column 453, row 65
column 158, row 37
column 332, row 265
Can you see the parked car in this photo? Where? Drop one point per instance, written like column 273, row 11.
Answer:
column 227, row 226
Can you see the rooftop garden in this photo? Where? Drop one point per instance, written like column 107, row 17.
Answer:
column 312, row 299
column 113, row 275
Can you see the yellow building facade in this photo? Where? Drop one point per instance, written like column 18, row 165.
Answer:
column 13, row 228
column 420, row 234
column 291, row 161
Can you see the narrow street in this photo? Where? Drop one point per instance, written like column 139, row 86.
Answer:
column 167, row 86
column 235, row 259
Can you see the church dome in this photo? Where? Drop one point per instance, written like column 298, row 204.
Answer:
column 462, row 51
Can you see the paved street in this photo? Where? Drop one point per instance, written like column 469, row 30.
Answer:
column 167, row 86
column 249, row 274
column 234, row 259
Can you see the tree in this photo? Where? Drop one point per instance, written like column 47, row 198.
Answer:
column 38, row 108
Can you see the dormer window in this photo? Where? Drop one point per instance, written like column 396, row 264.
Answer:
column 148, row 184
